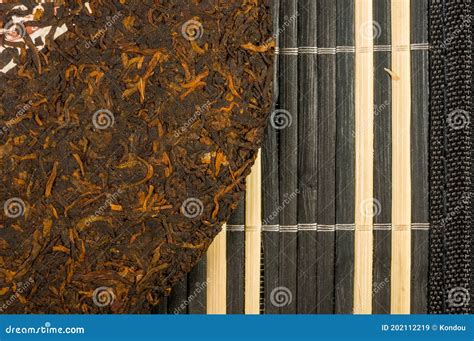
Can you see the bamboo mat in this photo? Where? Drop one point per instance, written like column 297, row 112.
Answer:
column 335, row 219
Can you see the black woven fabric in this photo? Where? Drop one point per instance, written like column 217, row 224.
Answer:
column 472, row 172
column 450, row 157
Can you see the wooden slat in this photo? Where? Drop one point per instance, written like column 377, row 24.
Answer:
column 401, row 171
column 271, row 243
column 419, row 271
column 270, row 211
column 271, row 202
column 364, row 97
column 382, row 159
column 307, row 160
column 271, row 191
column 288, row 150
column 216, row 275
column 419, row 159
column 345, row 160
column 326, row 154
column 253, row 226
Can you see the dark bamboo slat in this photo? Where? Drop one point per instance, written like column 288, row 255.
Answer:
column 177, row 299
column 197, row 289
column 419, row 273
column 419, row 155
column 162, row 307
column 307, row 160
column 271, row 249
column 270, row 191
column 382, row 158
column 288, row 161
column 345, row 159
column 270, row 212
column 236, row 260
column 326, row 210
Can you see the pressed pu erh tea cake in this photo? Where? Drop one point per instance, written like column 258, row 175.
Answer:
column 127, row 129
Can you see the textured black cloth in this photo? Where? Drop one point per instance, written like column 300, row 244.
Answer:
column 451, row 244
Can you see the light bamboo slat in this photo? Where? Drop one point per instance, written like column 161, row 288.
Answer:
column 364, row 117
column 401, row 170
column 216, row 275
column 253, row 227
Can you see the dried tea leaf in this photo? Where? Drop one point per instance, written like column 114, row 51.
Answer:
column 127, row 129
